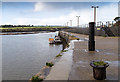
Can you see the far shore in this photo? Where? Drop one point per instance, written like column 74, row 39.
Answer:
column 28, row 30
column 20, row 33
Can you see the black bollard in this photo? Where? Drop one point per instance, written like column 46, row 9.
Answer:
column 91, row 36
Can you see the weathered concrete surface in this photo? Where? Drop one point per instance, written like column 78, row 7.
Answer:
column 61, row 70
column 106, row 49
column 76, row 66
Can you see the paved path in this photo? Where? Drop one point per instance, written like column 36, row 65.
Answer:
column 61, row 70
column 106, row 49
column 74, row 64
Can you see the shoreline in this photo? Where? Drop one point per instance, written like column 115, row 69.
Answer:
column 64, row 70
column 22, row 33
column 32, row 29
column 46, row 72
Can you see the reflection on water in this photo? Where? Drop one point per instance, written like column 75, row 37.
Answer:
column 24, row 55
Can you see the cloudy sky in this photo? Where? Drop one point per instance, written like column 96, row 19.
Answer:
column 56, row 13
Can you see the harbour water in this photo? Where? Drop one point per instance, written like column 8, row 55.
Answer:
column 24, row 55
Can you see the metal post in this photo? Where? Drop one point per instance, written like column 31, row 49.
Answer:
column 95, row 12
column 67, row 23
column 91, row 36
column 100, row 23
column 78, row 20
column 97, row 24
column 70, row 22
column 106, row 24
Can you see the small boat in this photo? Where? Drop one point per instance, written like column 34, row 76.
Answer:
column 57, row 39
column 51, row 41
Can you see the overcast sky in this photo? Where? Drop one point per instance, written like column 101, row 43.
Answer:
column 56, row 13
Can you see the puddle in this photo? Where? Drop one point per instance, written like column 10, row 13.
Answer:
column 111, row 63
column 88, row 51
column 86, row 39
column 77, row 40
column 97, row 50
column 81, row 62
column 109, row 53
column 83, row 66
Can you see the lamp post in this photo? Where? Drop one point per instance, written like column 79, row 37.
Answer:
column 95, row 7
column 100, row 23
column 78, row 20
column 106, row 24
column 97, row 24
column 67, row 24
column 70, row 22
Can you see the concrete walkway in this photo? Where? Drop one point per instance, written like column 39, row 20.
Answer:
column 61, row 70
column 106, row 50
column 74, row 64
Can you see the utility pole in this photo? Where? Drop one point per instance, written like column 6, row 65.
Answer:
column 77, row 21
column 97, row 24
column 100, row 23
column 95, row 12
column 106, row 24
column 70, row 22
column 67, row 23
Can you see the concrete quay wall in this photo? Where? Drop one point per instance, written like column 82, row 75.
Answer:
column 98, row 31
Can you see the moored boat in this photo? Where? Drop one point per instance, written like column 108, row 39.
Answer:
column 57, row 39
column 51, row 41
